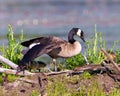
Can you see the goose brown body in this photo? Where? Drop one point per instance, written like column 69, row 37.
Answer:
column 64, row 50
column 55, row 47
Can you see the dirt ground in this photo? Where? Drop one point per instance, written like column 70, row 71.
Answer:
column 21, row 88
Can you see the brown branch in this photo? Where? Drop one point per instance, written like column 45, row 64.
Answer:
column 78, row 70
column 116, row 66
column 58, row 73
column 27, row 81
column 12, row 65
column 90, row 68
column 42, row 85
column 10, row 71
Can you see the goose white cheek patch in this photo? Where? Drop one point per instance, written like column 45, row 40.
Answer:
column 33, row 44
column 79, row 32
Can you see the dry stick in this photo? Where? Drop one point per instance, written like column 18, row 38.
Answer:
column 81, row 69
column 78, row 70
column 57, row 73
column 116, row 66
column 27, row 81
column 41, row 83
column 8, row 62
column 12, row 65
column 10, row 71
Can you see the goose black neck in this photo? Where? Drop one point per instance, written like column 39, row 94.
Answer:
column 70, row 37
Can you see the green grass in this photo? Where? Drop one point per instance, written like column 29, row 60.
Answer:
column 63, row 85
column 115, row 92
column 72, row 62
column 93, row 46
column 117, row 59
column 35, row 93
column 57, row 88
column 12, row 50
column 92, row 90
column 86, row 75
column 12, row 78
column 67, row 86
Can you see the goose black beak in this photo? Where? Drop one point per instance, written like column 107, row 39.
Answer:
column 83, row 39
column 82, row 36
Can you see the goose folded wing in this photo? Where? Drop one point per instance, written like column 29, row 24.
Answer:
column 29, row 42
column 43, row 40
column 38, row 50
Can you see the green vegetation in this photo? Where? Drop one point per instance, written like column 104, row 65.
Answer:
column 0, row 77
column 93, row 48
column 35, row 93
column 86, row 75
column 12, row 50
column 57, row 89
column 10, row 78
column 117, row 59
column 67, row 86
column 72, row 62
column 115, row 92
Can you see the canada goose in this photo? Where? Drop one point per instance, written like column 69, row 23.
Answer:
column 55, row 47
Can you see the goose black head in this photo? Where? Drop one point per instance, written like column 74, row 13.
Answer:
column 80, row 33
column 75, row 31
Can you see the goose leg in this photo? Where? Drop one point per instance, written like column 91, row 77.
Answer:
column 86, row 59
column 54, row 62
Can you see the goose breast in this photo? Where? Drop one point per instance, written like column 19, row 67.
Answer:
column 66, row 50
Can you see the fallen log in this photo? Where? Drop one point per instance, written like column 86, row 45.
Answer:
column 92, row 68
column 95, row 67
column 13, row 66
column 8, row 62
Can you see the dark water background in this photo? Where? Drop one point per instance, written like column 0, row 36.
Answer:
column 57, row 17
